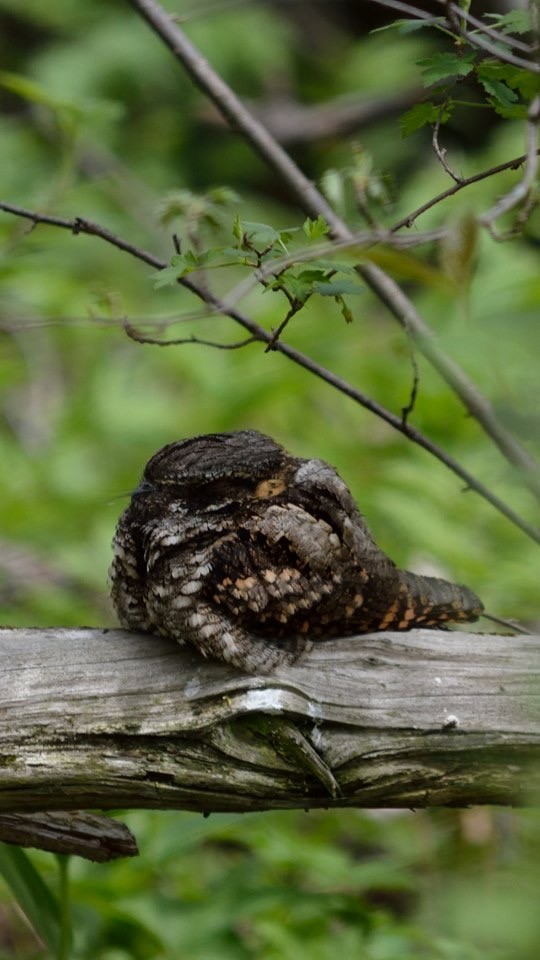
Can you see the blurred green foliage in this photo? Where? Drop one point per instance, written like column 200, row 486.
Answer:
column 97, row 120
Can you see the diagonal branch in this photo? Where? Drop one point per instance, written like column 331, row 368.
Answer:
column 409, row 219
column 79, row 225
column 314, row 204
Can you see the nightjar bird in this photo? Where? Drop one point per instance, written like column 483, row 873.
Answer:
column 249, row 554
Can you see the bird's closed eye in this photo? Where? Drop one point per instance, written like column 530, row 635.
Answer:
column 215, row 490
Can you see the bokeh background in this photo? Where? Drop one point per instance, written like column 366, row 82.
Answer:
column 97, row 120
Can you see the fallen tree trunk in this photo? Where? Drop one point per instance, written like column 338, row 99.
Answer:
column 107, row 719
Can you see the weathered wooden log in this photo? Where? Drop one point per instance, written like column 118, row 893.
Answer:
column 107, row 719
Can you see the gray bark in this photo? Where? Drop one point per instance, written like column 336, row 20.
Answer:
column 108, row 719
column 85, row 834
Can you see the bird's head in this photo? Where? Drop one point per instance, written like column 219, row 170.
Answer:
column 243, row 464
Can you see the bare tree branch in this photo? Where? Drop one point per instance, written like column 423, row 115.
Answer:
column 111, row 719
column 314, row 204
column 82, row 226
column 410, row 218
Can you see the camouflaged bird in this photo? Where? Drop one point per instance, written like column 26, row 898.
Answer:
column 249, row 554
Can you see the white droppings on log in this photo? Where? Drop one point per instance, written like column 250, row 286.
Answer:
column 261, row 701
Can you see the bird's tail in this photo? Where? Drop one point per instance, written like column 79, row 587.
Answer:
column 431, row 602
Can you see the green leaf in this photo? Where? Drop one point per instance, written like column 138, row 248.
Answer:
column 312, row 274
column 315, row 229
column 517, row 21
column 300, row 285
column 442, row 65
column 310, row 281
column 496, row 71
column 525, row 82
column 422, row 114
column 333, row 288
column 234, row 255
column 34, row 897
column 181, row 264
column 167, row 277
column 261, row 233
column 332, row 265
column 517, row 111
column 184, row 263
column 261, row 236
column 499, row 91
column 500, row 80
column 295, row 287
column 285, row 236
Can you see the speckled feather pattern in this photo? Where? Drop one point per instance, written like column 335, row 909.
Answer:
column 250, row 554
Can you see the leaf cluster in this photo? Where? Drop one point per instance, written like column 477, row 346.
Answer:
column 262, row 248
column 500, row 86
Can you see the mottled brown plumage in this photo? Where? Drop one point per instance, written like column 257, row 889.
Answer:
column 248, row 553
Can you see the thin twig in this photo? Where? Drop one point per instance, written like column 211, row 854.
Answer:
column 276, row 334
column 408, row 220
column 507, row 623
column 314, row 204
column 16, row 324
column 410, row 405
column 83, row 226
column 440, row 153
column 139, row 337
